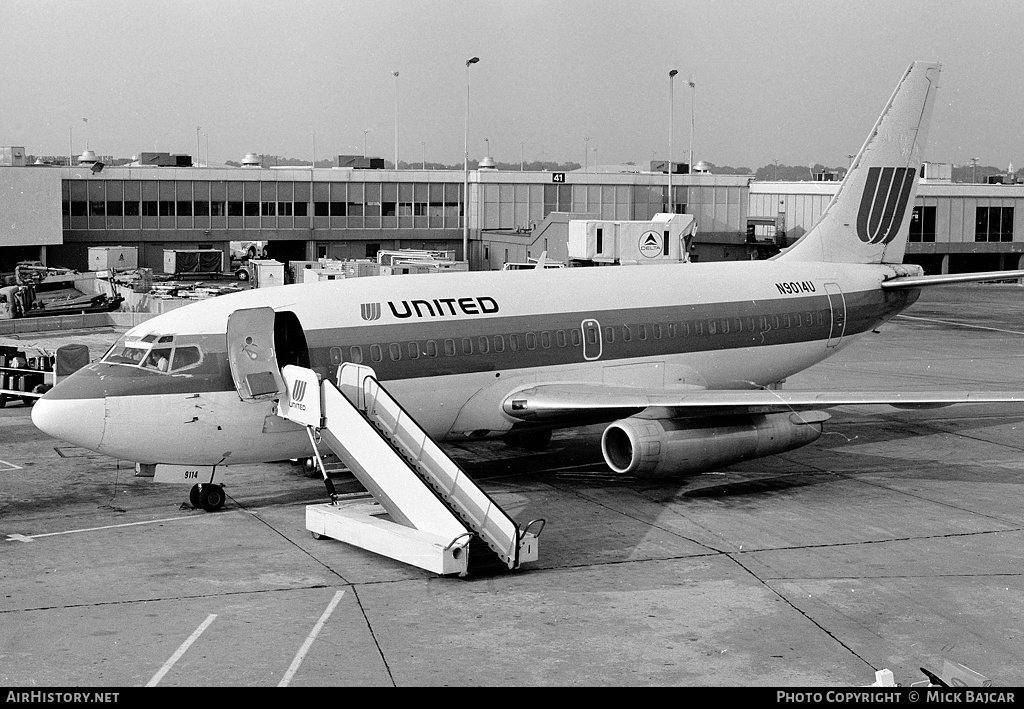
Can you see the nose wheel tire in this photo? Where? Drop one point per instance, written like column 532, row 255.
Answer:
column 208, row 496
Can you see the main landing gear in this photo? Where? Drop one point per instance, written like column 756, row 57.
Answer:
column 209, row 496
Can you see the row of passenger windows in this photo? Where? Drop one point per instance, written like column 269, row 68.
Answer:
column 546, row 339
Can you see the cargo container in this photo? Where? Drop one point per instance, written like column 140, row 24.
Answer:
column 265, row 273
column 180, row 262
column 113, row 258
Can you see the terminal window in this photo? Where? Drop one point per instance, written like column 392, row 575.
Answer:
column 922, row 224
column 993, row 224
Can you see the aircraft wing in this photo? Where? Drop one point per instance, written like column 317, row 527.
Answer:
column 567, row 401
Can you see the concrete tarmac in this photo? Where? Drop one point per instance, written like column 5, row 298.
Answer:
column 892, row 542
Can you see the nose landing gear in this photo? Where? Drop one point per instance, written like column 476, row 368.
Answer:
column 209, row 496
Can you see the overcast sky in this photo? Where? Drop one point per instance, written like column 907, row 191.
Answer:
column 793, row 80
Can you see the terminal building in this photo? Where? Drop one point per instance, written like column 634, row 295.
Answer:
column 56, row 213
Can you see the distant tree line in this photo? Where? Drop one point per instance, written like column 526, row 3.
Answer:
column 771, row 172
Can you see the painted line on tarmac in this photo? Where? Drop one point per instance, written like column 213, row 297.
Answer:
column 181, row 651
column 31, row 537
column 961, row 324
column 11, row 465
column 309, row 640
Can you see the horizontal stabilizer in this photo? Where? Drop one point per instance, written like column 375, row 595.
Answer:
column 948, row 278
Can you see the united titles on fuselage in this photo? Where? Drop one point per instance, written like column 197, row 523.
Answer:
column 444, row 307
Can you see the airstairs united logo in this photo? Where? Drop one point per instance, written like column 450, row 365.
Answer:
column 370, row 311
column 884, row 203
column 298, row 390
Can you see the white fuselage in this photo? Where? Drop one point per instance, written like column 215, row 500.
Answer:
column 452, row 348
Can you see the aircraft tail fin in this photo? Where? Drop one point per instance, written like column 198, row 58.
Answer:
column 868, row 219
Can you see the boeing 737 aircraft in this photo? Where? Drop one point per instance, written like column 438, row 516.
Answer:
column 681, row 361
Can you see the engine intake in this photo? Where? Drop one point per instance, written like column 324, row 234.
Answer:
column 647, row 447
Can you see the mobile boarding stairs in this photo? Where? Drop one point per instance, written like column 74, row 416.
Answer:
column 429, row 510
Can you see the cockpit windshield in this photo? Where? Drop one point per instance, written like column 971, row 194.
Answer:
column 155, row 352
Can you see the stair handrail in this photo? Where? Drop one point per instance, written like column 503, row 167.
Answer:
column 526, row 527
column 371, row 387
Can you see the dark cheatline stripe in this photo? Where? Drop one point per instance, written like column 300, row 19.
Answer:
column 864, row 310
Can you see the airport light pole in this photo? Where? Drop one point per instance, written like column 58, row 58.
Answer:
column 197, row 145
column 465, row 183
column 396, row 118
column 693, row 102
column 671, row 121
column 974, row 174
column 586, row 154
column 367, row 130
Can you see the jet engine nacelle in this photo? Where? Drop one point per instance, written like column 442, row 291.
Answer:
column 647, row 447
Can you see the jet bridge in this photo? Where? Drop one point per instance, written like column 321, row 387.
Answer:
column 428, row 510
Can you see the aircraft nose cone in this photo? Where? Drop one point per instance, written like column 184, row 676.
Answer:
column 77, row 421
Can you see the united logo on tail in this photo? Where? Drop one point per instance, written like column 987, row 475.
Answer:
column 884, row 203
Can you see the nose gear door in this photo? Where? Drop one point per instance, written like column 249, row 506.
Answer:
column 252, row 356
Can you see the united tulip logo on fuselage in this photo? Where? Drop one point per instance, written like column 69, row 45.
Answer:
column 433, row 308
